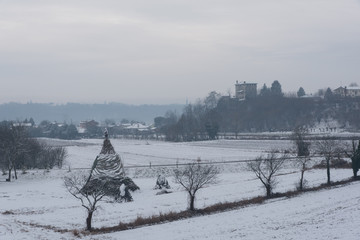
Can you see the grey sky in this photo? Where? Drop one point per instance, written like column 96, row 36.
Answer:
column 163, row 51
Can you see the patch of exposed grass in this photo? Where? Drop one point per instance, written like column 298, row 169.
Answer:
column 47, row 227
column 8, row 213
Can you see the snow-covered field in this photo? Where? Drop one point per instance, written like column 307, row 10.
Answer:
column 134, row 152
column 39, row 197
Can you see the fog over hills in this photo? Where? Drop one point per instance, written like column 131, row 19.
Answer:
column 76, row 112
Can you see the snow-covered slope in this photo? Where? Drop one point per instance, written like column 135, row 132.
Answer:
column 328, row 214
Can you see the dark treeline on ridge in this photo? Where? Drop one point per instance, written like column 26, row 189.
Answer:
column 285, row 114
column 268, row 111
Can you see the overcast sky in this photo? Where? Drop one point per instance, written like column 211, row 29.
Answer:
column 167, row 51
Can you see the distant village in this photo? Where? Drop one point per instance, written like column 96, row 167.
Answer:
column 88, row 129
column 125, row 127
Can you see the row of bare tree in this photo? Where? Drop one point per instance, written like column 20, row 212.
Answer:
column 266, row 168
column 192, row 178
column 195, row 176
column 19, row 151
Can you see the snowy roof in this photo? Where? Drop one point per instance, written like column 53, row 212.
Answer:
column 22, row 124
column 348, row 88
column 353, row 88
column 137, row 126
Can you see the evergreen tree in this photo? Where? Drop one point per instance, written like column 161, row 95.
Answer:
column 301, row 92
column 276, row 89
column 32, row 121
column 328, row 94
column 265, row 91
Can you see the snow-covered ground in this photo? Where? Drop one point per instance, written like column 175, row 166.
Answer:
column 135, row 152
column 40, row 198
column 328, row 214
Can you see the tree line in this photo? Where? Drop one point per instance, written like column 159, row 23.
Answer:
column 199, row 121
column 18, row 151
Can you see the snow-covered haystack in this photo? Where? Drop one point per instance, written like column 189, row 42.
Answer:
column 107, row 175
column 161, row 183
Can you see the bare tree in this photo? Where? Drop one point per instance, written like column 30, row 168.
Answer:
column 303, row 152
column 50, row 156
column 74, row 183
column 302, row 145
column 327, row 148
column 13, row 141
column 98, row 189
column 265, row 169
column 211, row 101
column 195, row 176
column 5, row 135
column 303, row 163
column 354, row 155
column 353, row 84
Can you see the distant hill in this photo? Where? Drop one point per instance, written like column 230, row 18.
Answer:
column 76, row 112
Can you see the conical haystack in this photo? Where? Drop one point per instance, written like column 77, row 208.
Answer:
column 107, row 175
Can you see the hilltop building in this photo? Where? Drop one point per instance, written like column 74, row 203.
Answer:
column 245, row 90
column 348, row 91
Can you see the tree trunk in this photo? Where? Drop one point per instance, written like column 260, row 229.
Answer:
column 301, row 180
column 328, row 170
column 192, row 202
column 9, row 179
column 355, row 173
column 268, row 191
column 15, row 172
column 354, row 167
column 88, row 220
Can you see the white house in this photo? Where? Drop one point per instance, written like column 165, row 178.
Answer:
column 348, row 91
